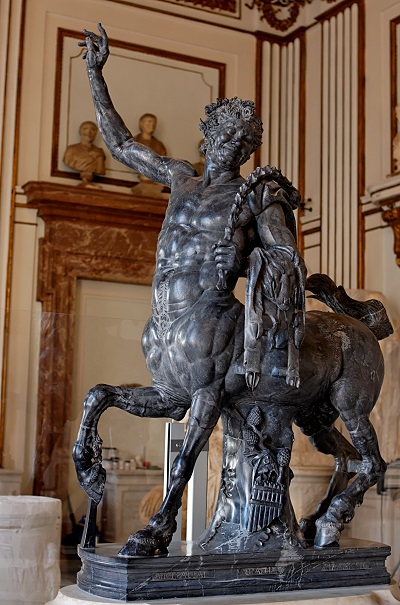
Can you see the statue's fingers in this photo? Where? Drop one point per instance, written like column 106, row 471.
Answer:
column 224, row 255
column 222, row 263
column 91, row 45
column 92, row 35
column 102, row 32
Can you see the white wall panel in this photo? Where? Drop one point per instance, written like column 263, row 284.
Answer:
column 340, row 146
column 284, row 94
column 353, row 139
column 325, row 148
column 280, row 109
column 296, row 112
column 274, row 116
column 346, row 225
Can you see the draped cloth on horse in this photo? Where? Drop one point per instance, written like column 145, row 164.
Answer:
column 275, row 300
column 275, row 307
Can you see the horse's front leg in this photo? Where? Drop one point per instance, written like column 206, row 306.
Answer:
column 156, row 536
column 146, row 401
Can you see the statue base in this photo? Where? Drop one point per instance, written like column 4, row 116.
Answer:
column 189, row 571
column 358, row 595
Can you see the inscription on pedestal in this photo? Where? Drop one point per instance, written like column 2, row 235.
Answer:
column 187, row 571
column 258, row 571
column 182, row 575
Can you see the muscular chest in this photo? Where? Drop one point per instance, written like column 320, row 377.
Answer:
column 200, row 208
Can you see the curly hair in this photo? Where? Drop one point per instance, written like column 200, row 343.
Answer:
column 224, row 109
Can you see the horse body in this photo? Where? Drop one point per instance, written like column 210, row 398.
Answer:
column 341, row 372
column 334, row 346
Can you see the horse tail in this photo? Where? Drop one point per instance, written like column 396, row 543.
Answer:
column 371, row 313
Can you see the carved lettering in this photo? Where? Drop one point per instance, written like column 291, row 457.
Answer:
column 182, row 575
column 350, row 565
column 258, row 571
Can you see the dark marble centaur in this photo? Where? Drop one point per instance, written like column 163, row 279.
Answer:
column 262, row 366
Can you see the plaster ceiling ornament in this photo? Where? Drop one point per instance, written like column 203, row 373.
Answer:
column 280, row 14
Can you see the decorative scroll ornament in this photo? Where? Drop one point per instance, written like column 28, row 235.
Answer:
column 280, row 14
column 392, row 218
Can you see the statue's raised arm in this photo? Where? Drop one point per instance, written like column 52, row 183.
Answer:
column 116, row 135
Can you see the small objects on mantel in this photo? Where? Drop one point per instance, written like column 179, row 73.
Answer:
column 86, row 157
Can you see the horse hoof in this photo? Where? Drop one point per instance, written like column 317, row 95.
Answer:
column 93, row 482
column 327, row 534
column 331, row 545
column 143, row 544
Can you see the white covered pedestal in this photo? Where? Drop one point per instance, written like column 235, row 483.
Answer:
column 30, row 534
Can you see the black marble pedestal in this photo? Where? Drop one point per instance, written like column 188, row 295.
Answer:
column 188, row 571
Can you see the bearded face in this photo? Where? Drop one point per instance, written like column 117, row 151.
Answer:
column 231, row 144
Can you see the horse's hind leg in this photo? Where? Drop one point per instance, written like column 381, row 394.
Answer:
column 371, row 467
column 147, row 401
column 328, row 440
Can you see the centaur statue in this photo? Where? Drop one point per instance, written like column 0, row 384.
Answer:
column 262, row 366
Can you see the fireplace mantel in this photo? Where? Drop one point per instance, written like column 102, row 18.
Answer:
column 92, row 204
column 90, row 233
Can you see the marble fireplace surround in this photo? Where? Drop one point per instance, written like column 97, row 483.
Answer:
column 93, row 234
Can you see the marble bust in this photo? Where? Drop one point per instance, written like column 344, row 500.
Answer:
column 85, row 156
column 147, row 127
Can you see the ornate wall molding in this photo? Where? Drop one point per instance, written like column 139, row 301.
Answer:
column 280, row 14
column 89, row 234
column 392, row 218
column 384, row 197
column 224, row 6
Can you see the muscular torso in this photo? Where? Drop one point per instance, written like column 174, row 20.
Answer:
column 195, row 221
column 193, row 321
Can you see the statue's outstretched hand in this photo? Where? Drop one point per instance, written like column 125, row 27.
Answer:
column 97, row 50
